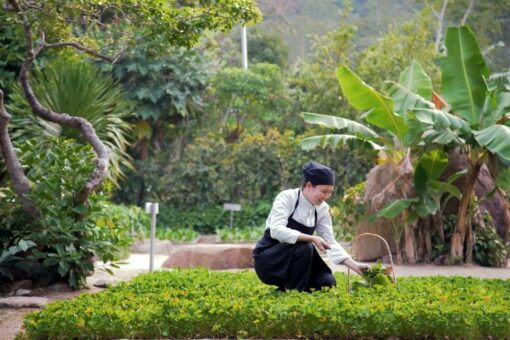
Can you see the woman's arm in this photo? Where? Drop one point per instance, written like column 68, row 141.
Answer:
column 337, row 253
column 356, row 266
column 318, row 241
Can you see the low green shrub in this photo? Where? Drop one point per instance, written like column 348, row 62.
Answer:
column 120, row 225
column 63, row 243
column 66, row 236
column 207, row 219
column 240, row 234
column 489, row 249
column 197, row 303
column 349, row 212
column 179, row 235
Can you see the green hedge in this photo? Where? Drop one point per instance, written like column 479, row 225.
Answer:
column 201, row 304
column 209, row 218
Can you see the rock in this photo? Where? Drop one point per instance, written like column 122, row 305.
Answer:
column 23, row 302
column 370, row 248
column 379, row 179
column 212, row 256
column 103, row 283
column 207, row 239
column 23, row 292
column 11, row 287
column 59, row 287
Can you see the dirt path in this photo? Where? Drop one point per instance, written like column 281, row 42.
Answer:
column 12, row 319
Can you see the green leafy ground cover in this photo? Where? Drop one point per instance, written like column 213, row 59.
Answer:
column 197, row 303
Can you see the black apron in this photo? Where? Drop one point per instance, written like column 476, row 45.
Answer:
column 273, row 260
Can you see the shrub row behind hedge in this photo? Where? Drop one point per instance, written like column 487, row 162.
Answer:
column 209, row 218
column 198, row 303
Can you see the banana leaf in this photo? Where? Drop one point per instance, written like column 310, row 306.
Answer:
column 340, row 123
column 393, row 209
column 496, row 138
column 364, row 98
column 336, row 140
column 414, row 89
column 463, row 74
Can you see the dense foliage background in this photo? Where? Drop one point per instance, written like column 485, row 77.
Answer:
column 190, row 129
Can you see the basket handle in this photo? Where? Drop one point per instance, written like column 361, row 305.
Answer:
column 389, row 255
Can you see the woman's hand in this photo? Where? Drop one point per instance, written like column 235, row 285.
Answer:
column 363, row 266
column 356, row 266
column 320, row 243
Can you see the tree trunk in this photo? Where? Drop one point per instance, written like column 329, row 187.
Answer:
column 428, row 244
column 410, row 243
column 20, row 182
column 144, row 149
column 437, row 221
column 470, row 243
column 424, row 241
column 459, row 235
column 79, row 123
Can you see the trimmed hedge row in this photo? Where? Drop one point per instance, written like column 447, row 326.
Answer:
column 197, row 303
column 207, row 219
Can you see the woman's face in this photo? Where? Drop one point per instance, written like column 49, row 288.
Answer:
column 319, row 193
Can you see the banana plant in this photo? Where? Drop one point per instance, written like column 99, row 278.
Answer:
column 402, row 131
column 475, row 117
column 484, row 105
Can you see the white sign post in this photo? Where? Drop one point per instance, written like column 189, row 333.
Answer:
column 153, row 209
column 231, row 207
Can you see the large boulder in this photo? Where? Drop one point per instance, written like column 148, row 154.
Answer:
column 379, row 180
column 212, row 256
column 371, row 248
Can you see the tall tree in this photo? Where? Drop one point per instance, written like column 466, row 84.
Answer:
column 58, row 24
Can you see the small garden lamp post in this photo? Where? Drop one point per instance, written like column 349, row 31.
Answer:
column 153, row 209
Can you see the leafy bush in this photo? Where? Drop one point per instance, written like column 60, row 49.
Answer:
column 376, row 276
column 255, row 168
column 179, row 235
column 120, row 224
column 198, row 303
column 490, row 249
column 240, row 234
column 206, row 220
column 66, row 236
column 349, row 212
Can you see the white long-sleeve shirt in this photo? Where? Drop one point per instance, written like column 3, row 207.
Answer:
column 283, row 206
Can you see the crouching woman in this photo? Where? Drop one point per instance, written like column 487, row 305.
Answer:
column 286, row 256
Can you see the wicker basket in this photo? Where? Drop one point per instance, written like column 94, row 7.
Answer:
column 389, row 255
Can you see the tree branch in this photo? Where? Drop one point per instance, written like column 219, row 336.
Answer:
column 440, row 19
column 79, row 123
column 20, row 182
column 84, row 49
column 466, row 14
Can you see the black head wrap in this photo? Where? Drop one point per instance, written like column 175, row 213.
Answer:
column 318, row 174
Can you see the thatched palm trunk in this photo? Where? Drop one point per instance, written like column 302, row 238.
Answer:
column 463, row 227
